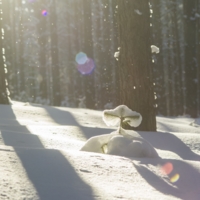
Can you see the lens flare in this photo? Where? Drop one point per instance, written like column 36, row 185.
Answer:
column 87, row 67
column 44, row 13
column 167, row 168
column 81, row 58
column 174, row 178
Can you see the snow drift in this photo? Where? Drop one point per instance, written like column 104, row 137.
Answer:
column 121, row 142
column 40, row 158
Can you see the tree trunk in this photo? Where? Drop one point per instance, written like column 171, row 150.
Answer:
column 191, row 65
column 135, row 66
column 54, row 56
column 3, row 87
column 158, row 68
column 198, row 59
column 87, row 48
column 42, row 40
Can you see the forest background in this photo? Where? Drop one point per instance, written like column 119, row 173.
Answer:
column 42, row 41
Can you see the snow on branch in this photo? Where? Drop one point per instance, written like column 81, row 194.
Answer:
column 121, row 115
column 155, row 49
column 121, row 142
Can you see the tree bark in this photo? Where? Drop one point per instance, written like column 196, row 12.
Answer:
column 190, row 60
column 135, row 66
column 54, row 56
column 87, row 48
column 3, row 87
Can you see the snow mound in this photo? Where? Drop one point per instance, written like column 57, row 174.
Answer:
column 121, row 142
column 196, row 123
column 40, row 157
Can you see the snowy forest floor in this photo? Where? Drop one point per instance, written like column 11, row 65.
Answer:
column 40, row 158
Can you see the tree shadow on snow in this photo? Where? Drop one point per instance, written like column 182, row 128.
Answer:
column 160, row 140
column 186, row 187
column 169, row 142
column 50, row 172
column 53, row 176
column 65, row 118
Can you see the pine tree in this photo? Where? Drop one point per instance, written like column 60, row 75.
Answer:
column 135, row 66
column 190, row 57
column 3, row 87
column 54, row 56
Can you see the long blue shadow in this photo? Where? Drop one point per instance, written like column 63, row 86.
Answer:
column 50, row 172
column 53, row 176
column 186, row 187
column 63, row 117
column 169, row 142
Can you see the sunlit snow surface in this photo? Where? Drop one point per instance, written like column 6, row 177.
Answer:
column 40, row 158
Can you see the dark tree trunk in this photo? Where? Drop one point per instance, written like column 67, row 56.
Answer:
column 3, row 87
column 21, row 63
column 191, row 66
column 12, row 68
column 179, row 86
column 7, row 42
column 115, row 45
column 198, row 58
column 135, row 67
column 54, row 56
column 42, row 40
column 87, row 48
column 158, row 68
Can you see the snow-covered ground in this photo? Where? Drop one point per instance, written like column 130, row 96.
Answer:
column 40, row 158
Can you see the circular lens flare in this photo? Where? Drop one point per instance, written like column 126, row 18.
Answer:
column 167, row 168
column 175, row 178
column 81, row 58
column 44, row 13
column 87, row 67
